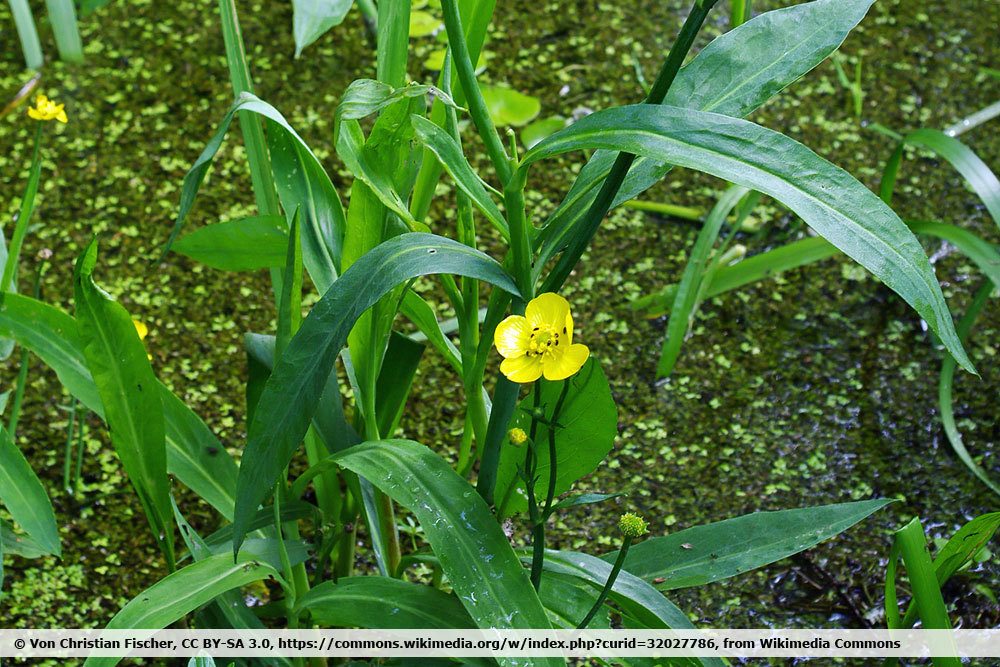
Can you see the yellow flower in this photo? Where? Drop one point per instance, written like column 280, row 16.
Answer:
column 46, row 109
column 517, row 436
column 141, row 329
column 540, row 343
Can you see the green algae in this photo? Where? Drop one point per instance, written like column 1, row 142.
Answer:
column 813, row 388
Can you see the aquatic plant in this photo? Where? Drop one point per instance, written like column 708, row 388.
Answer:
column 327, row 392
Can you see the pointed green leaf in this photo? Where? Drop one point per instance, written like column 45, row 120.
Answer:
column 473, row 551
column 247, row 244
column 703, row 554
column 293, row 392
column 22, row 493
column 183, row 591
column 312, row 18
column 130, row 395
column 382, row 602
column 829, row 199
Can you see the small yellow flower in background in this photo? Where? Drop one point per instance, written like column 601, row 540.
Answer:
column 540, row 343
column 141, row 329
column 46, row 109
column 632, row 525
column 517, row 436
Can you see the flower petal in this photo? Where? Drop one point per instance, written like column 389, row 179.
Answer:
column 522, row 369
column 561, row 366
column 511, row 337
column 549, row 308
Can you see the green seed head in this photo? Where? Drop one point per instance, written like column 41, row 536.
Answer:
column 632, row 525
column 517, row 436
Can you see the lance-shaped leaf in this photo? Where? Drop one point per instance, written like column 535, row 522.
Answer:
column 194, row 455
column 130, row 395
column 734, row 75
column 247, row 244
column 183, row 591
column 23, row 495
column 382, row 602
column 827, row 198
column 310, row 188
column 449, row 154
column 714, row 551
column 474, row 553
column 293, row 391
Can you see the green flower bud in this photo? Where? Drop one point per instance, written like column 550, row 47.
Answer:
column 632, row 525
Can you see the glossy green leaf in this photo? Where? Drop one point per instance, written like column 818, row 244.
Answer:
column 509, row 107
column 183, row 591
column 715, row 551
column 249, row 103
column 19, row 544
column 449, row 153
column 911, row 544
column 964, row 545
column 643, row 604
column 473, row 551
column 567, row 601
column 305, row 187
column 312, row 18
column 238, row 245
column 734, row 75
column 418, row 311
column 365, row 97
column 130, row 395
column 382, row 602
column 194, row 455
column 589, row 420
column 292, row 394
column 25, row 498
column 829, row 199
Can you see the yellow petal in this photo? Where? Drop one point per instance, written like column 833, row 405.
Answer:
column 511, row 337
column 561, row 366
column 61, row 115
column 522, row 369
column 41, row 100
column 141, row 329
column 549, row 308
column 33, row 113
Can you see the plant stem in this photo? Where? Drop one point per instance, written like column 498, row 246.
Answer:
column 553, row 461
column 68, row 453
column 80, row 444
column 22, row 375
column 619, row 562
column 23, row 214
column 588, row 225
column 466, row 71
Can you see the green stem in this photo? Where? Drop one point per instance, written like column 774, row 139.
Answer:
column 68, row 453
column 23, row 214
column 587, row 227
column 286, row 564
column 740, row 12
column 537, row 522
column 553, row 461
column 22, row 375
column 622, row 553
column 466, row 71
column 81, row 442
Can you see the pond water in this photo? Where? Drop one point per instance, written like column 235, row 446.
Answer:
column 815, row 388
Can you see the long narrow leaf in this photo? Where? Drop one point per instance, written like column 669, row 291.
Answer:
column 734, row 546
column 23, row 495
column 129, row 393
column 194, row 455
column 829, row 199
column 472, row 549
column 300, row 378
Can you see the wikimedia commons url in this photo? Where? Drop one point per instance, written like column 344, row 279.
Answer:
column 74, row 643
